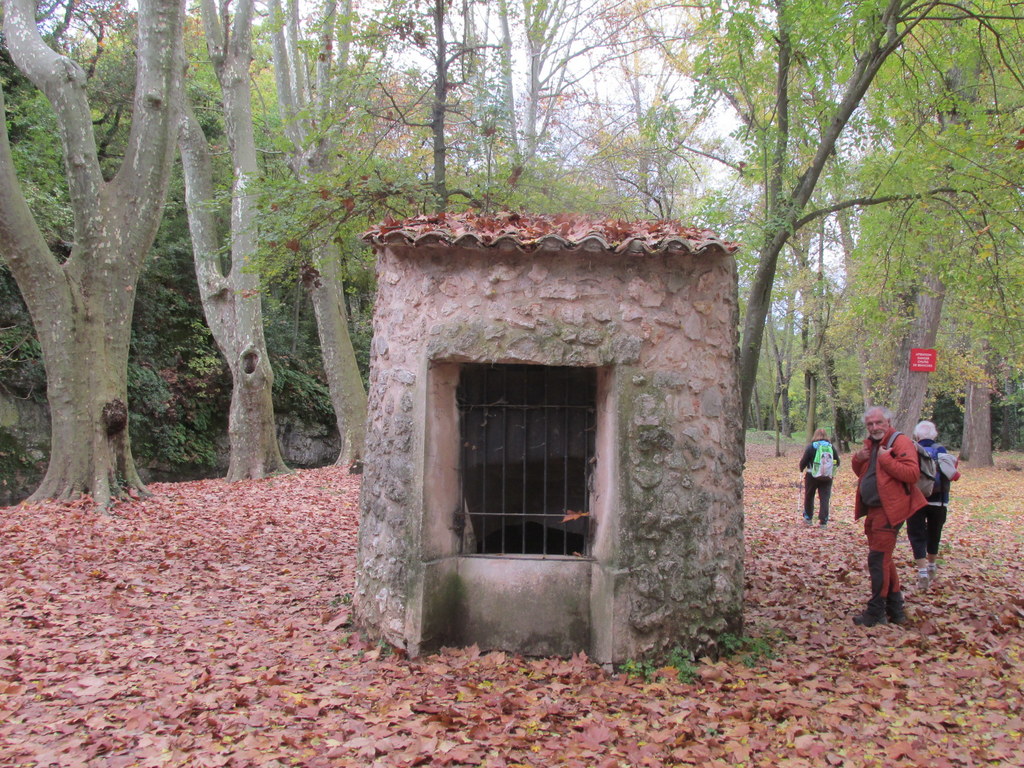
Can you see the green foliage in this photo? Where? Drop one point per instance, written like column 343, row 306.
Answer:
column 21, row 364
column 645, row 669
column 343, row 598
column 179, row 387
column 750, row 651
column 948, row 417
column 686, row 670
column 944, row 116
column 14, row 460
column 298, row 390
column 361, row 333
column 37, row 154
column 171, row 426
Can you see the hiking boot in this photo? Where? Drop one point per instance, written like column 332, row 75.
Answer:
column 894, row 609
column 808, row 520
column 868, row 619
column 924, row 578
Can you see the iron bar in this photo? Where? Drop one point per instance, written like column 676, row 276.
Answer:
column 525, row 493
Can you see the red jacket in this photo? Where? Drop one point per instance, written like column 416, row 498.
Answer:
column 897, row 472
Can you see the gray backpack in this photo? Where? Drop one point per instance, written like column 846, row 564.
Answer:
column 927, row 462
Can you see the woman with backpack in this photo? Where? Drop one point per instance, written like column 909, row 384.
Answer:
column 819, row 463
column 924, row 528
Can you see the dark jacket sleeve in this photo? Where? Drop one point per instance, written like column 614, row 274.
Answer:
column 807, row 458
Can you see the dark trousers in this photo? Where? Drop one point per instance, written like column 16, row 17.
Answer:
column 823, row 487
column 885, row 579
column 924, row 529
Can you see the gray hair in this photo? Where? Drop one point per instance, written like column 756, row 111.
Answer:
column 925, row 430
column 886, row 413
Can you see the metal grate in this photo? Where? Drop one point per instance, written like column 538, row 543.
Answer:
column 527, row 456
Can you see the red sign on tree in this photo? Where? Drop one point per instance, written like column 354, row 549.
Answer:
column 922, row 360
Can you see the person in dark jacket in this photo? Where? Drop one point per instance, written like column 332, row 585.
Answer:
column 887, row 495
column 924, row 528
column 818, row 476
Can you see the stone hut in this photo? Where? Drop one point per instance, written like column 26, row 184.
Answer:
column 553, row 458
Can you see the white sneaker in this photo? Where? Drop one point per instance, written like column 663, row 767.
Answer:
column 923, row 578
column 933, row 572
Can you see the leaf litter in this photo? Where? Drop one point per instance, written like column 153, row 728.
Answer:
column 209, row 625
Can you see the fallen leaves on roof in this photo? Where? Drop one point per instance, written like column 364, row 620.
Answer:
column 530, row 233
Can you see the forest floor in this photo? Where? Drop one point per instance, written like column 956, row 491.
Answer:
column 207, row 626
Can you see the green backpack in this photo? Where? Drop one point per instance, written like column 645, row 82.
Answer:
column 824, row 460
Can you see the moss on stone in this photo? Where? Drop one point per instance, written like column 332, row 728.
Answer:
column 445, row 605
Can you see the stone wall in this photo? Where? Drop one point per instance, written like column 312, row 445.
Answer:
column 24, row 447
column 668, row 547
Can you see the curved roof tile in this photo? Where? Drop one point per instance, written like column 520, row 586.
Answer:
column 533, row 233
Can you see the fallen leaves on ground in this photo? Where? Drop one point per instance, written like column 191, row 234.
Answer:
column 208, row 626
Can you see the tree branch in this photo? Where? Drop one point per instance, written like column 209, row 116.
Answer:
column 64, row 84
column 867, row 201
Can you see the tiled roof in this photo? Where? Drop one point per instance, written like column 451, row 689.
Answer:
column 532, row 233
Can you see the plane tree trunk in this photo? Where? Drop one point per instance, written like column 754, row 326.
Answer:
column 311, row 156
column 231, row 300
column 348, row 395
column 82, row 307
column 911, row 386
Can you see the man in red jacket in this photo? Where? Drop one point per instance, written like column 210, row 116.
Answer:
column 887, row 495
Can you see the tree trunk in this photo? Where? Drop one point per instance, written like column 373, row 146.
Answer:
column 1008, row 421
column 783, row 356
column 784, row 212
column 323, row 280
column 784, row 407
column 505, row 57
column 232, row 303
column 82, row 308
column 839, row 436
column 811, row 386
column 756, row 417
column 976, row 446
column 439, row 112
column 911, row 386
column 85, row 352
column 233, row 313
column 775, row 421
column 348, row 394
